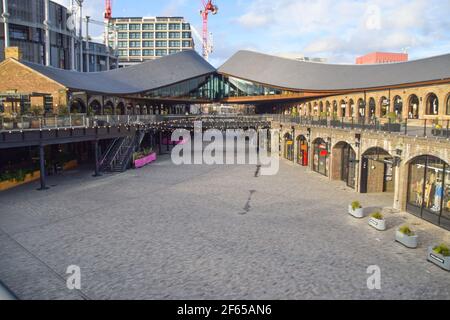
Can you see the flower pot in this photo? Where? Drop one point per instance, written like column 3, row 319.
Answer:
column 408, row 241
column 8, row 125
column 438, row 259
column 357, row 213
column 35, row 124
column 380, row 225
column 23, row 125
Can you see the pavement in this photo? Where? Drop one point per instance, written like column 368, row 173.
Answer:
column 208, row 232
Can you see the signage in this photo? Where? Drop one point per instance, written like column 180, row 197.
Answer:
column 323, row 153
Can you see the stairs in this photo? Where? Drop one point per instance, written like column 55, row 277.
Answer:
column 120, row 153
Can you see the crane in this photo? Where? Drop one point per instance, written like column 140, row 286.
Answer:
column 208, row 7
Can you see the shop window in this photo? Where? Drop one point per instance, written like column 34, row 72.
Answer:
column 320, row 157
column 428, row 190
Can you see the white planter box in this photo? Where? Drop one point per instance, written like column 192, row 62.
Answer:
column 438, row 259
column 357, row 213
column 380, row 225
column 408, row 241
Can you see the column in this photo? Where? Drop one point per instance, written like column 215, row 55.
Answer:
column 97, row 160
column 42, row 168
column 87, row 44
column 47, row 33
column 160, row 142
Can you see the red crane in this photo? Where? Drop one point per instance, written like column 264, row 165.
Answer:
column 108, row 10
column 208, row 7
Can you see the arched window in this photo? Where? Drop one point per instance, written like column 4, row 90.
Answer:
column 328, row 107
column 335, row 109
column 361, row 108
column 432, row 105
column 428, row 186
column 372, row 107
column 343, row 108
column 413, row 107
column 351, row 104
column 95, row 108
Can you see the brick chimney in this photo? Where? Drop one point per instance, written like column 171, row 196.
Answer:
column 13, row 52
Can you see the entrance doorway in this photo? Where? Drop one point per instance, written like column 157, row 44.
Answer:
column 377, row 172
column 302, row 151
column 344, row 164
column 288, row 147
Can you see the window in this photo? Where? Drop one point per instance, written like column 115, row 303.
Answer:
column 147, row 52
column 186, row 44
column 160, row 52
column 122, row 26
column 161, row 26
column 428, row 190
column 186, row 26
column 174, row 43
column 134, row 53
column 147, row 44
column 384, row 103
column 123, row 44
column 123, row 53
column 123, row 35
column 135, row 26
column 173, row 51
column 186, row 35
column 135, row 35
column 148, row 26
column 148, row 35
column 135, row 44
column 161, row 35
column 448, row 105
column 160, row 44
column 174, row 26
column 413, row 107
column 320, row 157
column 174, row 35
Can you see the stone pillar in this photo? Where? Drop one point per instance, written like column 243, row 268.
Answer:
column 97, row 159
column 43, row 177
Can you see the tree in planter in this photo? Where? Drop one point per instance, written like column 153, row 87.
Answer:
column 36, row 112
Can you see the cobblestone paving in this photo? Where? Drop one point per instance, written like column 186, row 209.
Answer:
column 207, row 232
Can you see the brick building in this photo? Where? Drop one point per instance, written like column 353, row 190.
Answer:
column 382, row 57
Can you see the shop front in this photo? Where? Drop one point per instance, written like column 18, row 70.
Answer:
column 344, row 164
column 320, row 157
column 377, row 172
column 288, row 147
column 428, row 190
column 302, row 151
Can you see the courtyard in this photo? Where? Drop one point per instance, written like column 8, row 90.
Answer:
column 208, row 232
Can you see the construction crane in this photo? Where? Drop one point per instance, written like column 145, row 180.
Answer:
column 208, row 7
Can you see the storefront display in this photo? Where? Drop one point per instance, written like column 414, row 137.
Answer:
column 321, row 157
column 302, row 151
column 428, row 190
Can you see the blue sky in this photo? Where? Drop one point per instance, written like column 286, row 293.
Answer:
column 338, row 30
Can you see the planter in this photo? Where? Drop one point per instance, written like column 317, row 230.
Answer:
column 35, row 124
column 144, row 161
column 438, row 259
column 5, row 185
column 357, row 213
column 408, row 241
column 393, row 127
column 380, row 225
column 23, row 125
column 8, row 125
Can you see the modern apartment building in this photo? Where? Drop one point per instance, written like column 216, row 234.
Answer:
column 148, row 38
column 26, row 29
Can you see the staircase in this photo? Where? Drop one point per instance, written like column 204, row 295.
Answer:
column 120, row 153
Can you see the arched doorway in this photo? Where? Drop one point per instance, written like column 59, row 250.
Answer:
column 129, row 109
column 108, row 109
column 343, row 108
column 385, row 106
column 361, row 108
column 447, row 110
column 372, row 108
column 432, row 105
column 428, row 190
column 344, row 164
column 288, row 147
column 302, row 151
column 377, row 172
column 95, row 107
column 413, row 107
column 320, row 156
column 328, row 107
column 398, row 106
column 335, row 109
column 77, row 106
column 351, row 104
column 120, row 109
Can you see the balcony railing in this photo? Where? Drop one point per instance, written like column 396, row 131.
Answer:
column 410, row 127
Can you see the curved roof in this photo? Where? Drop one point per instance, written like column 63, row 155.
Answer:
column 139, row 78
column 310, row 76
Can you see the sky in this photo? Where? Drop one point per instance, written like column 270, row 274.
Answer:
column 337, row 30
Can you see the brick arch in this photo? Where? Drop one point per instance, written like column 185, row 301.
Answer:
column 446, row 105
column 416, row 155
column 365, row 151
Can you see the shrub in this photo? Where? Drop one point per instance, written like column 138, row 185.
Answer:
column 442, row 249
column 377, row 215
column 356, row 205
column 406, row 231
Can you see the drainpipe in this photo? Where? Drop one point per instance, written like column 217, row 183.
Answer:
column 5, row 16
column 47, row 33
column 87, row 43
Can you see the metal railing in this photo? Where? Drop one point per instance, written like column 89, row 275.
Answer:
column 439, row 128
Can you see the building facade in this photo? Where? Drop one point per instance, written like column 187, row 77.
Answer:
column 148, row 38
column 382, row 57
column 27, row 30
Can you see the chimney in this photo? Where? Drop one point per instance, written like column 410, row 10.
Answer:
column 13, row 52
